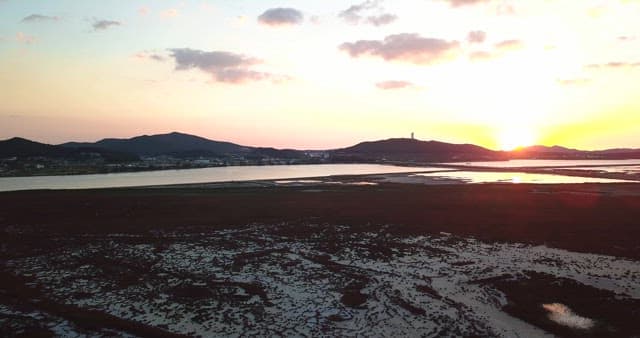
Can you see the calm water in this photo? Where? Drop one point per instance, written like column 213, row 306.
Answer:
column 629, row 169
column 204, row 175
column 248, row 173
column 515, row 177
column 547, row 163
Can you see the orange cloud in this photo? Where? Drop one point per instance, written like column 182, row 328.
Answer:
column 169, row 13
column 509, row 45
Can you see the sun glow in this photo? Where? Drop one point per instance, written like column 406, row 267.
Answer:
column 512, row 138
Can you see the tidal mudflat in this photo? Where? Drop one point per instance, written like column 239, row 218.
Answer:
column 260, row 280
column 316, row 259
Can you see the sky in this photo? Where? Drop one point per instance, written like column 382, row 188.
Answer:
column 323, row 74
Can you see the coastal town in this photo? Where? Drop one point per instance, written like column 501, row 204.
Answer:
column 94, row 163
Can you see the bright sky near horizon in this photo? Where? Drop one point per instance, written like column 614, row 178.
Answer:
column 323, row 74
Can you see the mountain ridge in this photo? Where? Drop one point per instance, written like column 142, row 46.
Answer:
column 21, row 147
column 174, row 142
column 399, row 149
column 407, row 149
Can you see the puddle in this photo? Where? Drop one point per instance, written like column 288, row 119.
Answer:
column 563, row 315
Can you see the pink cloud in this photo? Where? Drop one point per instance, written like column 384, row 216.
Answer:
column 459, row 3
column 476, row 36
column 25, row 38
column 394, row 84
column 143, row 11
column 281, row 17
column 405, row 47
column 222, row 66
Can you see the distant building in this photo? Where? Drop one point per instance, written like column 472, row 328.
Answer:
column 412, row 136
column 317, row 154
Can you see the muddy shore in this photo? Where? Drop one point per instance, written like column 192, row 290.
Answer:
column 313, row 257
column 595, row 218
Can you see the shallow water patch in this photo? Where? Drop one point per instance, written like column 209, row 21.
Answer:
column 563, row 315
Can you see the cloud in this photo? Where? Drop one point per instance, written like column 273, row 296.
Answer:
column 505, row 9
column 382, row 19
column 281, row 17
column 222, row 66
column 354, row 14
column 613, row 65
column 394, row 84
column 149, row 56
column 39, row 18
column 481, row 56
column 509, row 45
column 187, row 58
column 406, row 47
column 476, row 36
column 208, row 7
column 156, row 57
column 104, row 24
column 239, row 21
column 169, row 13
column 459, row 3
column 25, row 38
column 627, row 38
column 573, row 82
column 499, row 49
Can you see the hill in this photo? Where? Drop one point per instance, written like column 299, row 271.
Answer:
column 616, row 154
column 405, row 149
column 164, row 144
column 558, row 152
column 180, row 145
column 548, row 150
column 183, row 145
column 545, row 152
column 20, row 147
column 23, row 148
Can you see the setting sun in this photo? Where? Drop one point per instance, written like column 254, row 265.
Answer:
column 516, row 137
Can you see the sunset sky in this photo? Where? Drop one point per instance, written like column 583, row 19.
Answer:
column 323, row 74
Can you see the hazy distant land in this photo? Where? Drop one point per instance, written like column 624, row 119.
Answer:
column 21, row 157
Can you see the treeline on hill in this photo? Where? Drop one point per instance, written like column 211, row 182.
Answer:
column 20, row 148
